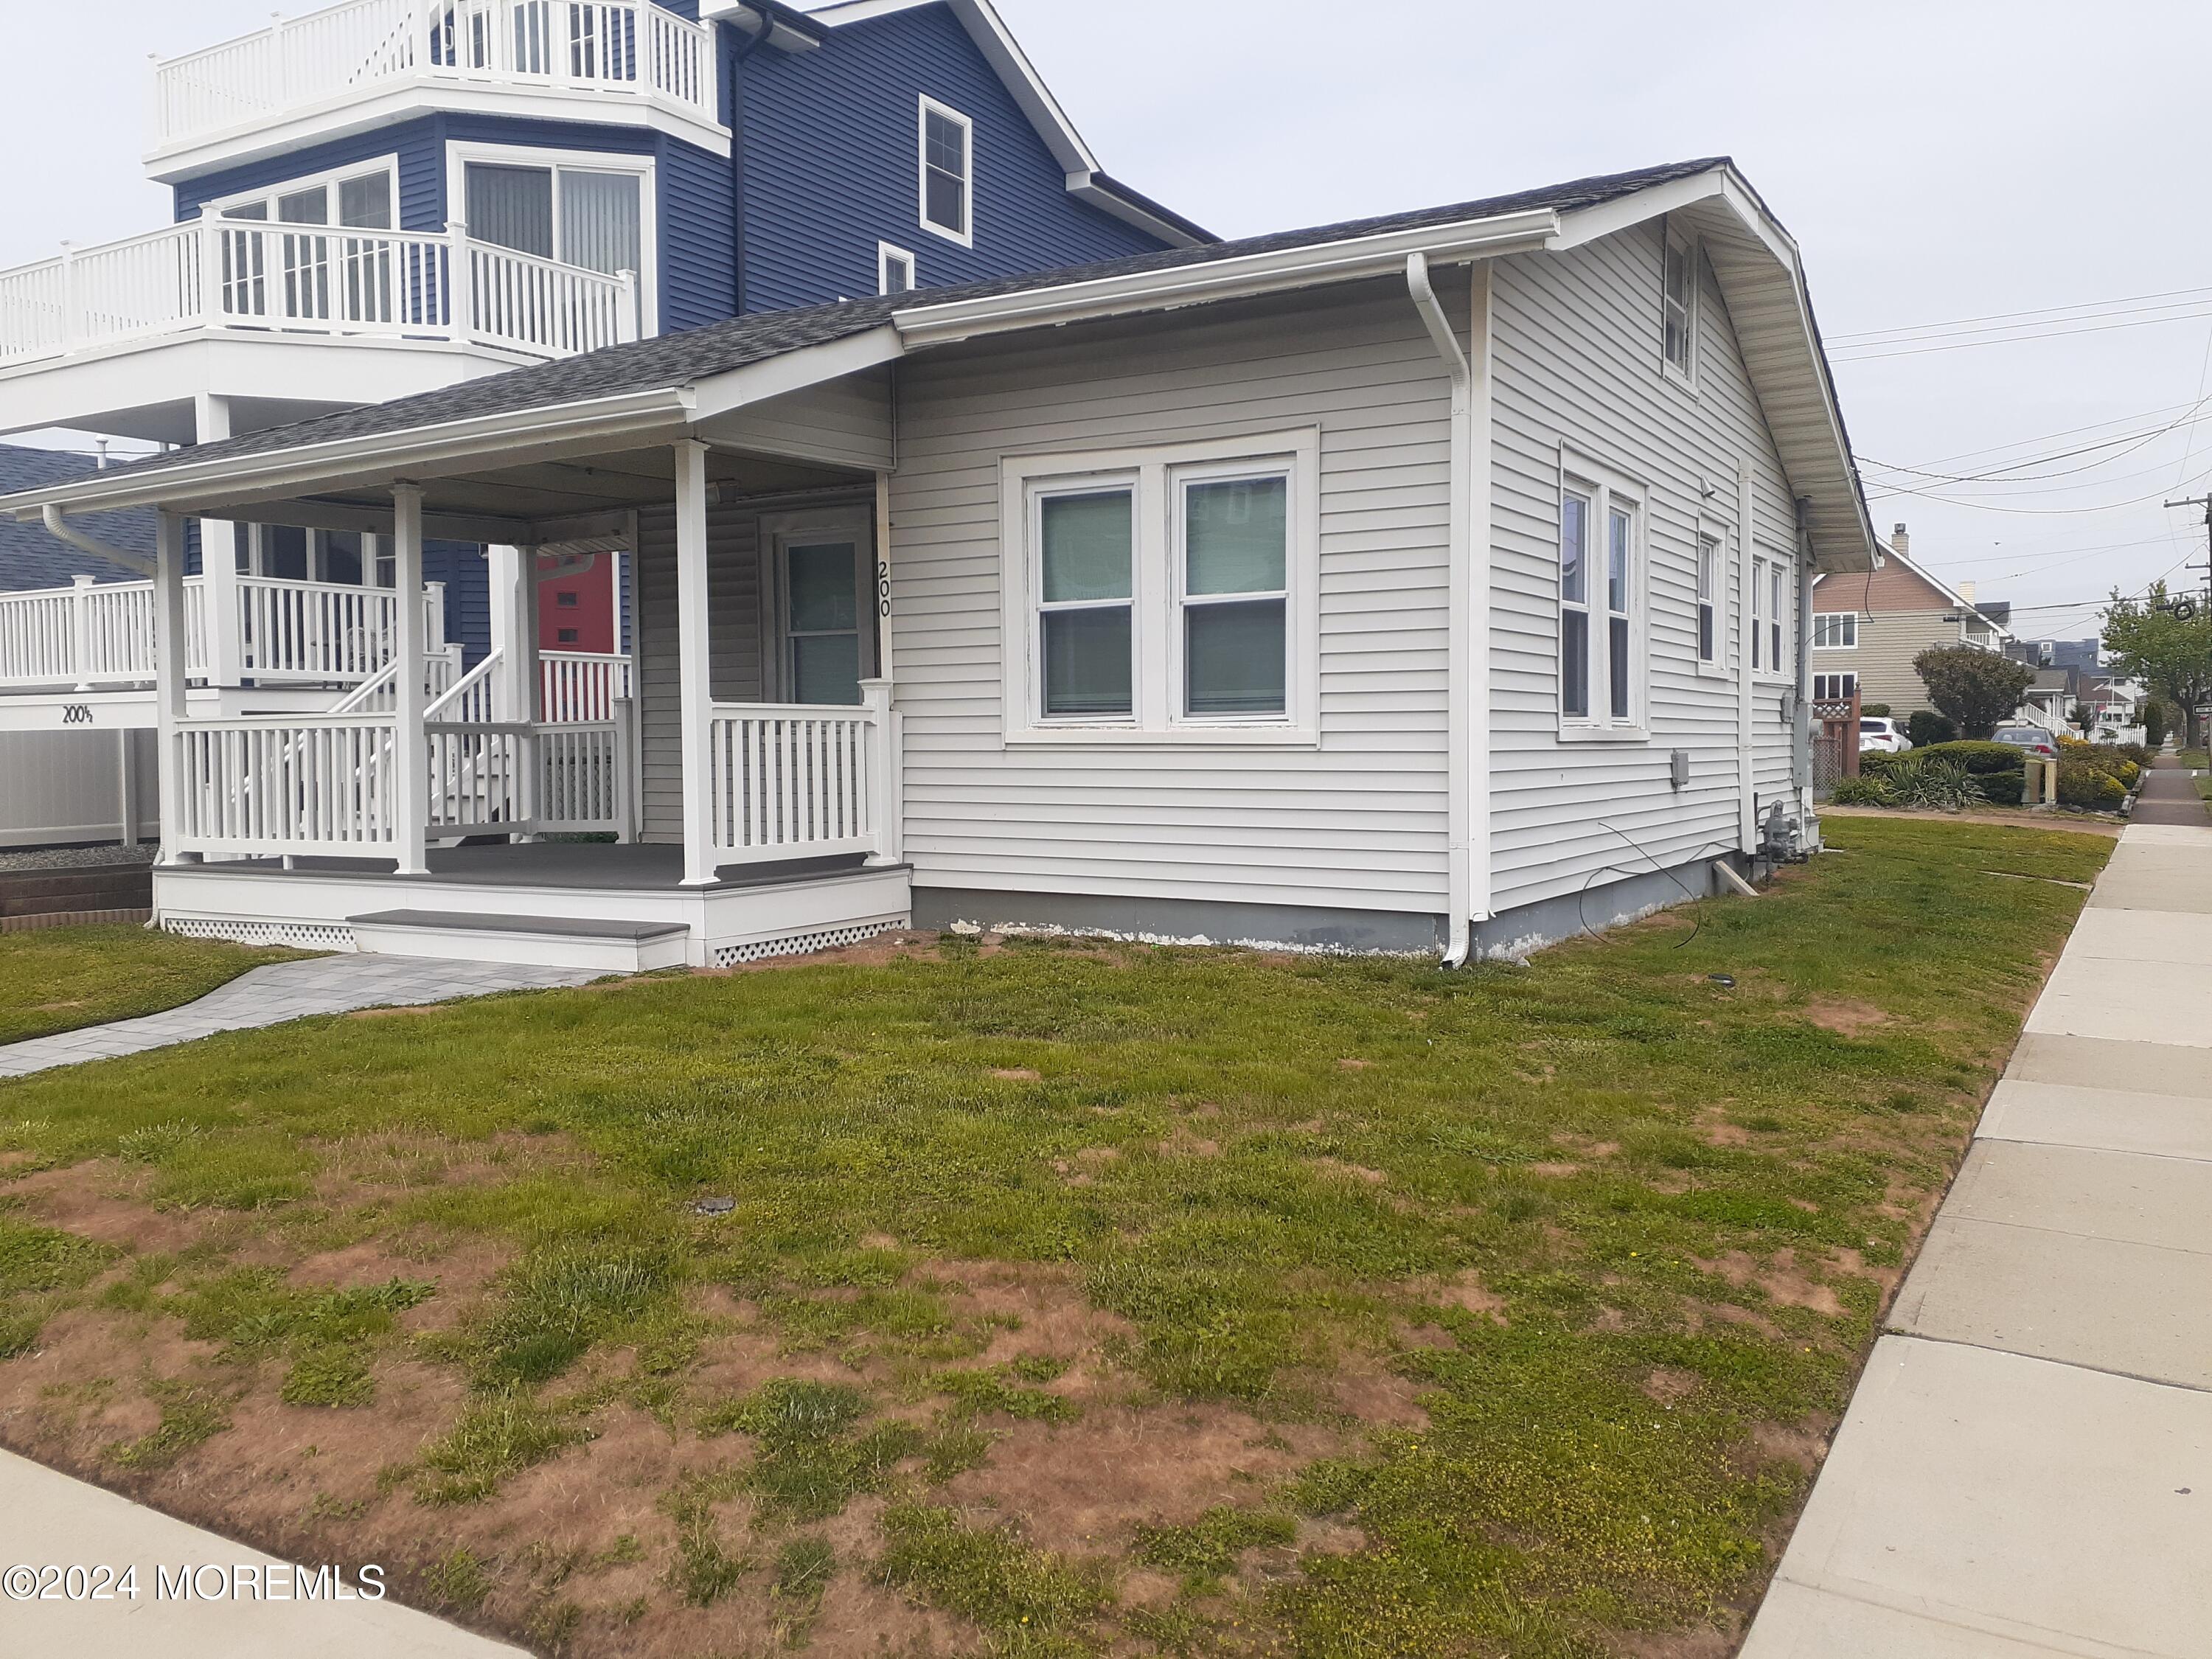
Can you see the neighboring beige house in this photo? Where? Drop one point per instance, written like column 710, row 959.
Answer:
column 1868, row 626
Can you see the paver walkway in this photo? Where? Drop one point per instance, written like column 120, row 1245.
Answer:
column 236, row 1608
column 285, row 991
column 2026, row 1467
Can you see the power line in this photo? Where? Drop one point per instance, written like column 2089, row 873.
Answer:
column 2017, row 339
column 2001, row 316
column 2071, row 431
column 2138, row 439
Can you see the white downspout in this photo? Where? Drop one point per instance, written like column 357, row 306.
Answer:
column 62, row 530
column 1746, row 759
column 1463, row 678
column 1801, row 734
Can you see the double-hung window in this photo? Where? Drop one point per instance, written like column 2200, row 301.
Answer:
column 1602, row 604
column 1835, row 688
column 1709, row 600
column 1087, row 542
column 948, row 173
column 1836, row 630
column 1678, row 305
column 1167, row 593
column 1233, row 572
column 1759, row 589
column 1777, row 607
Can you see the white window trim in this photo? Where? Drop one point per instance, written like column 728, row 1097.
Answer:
column 887, row 251
column 387, row 165
column 1686, row 377
column 1765, row 561
column 965, row 236
column 1722, row 537
column 457, row 157
column 1819, row 617
column 1608, row 487
column 1850, row 674
column 1155, row 474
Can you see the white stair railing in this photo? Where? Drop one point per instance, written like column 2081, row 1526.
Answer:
column 629, row 48
column 286, row 784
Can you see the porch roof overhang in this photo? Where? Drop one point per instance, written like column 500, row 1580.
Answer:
column 631, row 398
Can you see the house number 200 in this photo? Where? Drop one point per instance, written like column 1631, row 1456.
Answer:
column 884, row 585
column 76, row 713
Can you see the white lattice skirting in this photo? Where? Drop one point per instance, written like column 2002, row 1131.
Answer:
column 292, row 935
column 802, row 944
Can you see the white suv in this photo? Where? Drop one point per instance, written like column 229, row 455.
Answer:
column 1879, row 735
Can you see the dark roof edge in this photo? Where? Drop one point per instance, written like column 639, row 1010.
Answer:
column 1155, row 209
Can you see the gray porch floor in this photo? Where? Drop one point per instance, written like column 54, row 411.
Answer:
column 588, row 865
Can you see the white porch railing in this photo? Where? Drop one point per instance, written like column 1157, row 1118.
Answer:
column 238, row 275
column 320, row 633
column 621, row 49
column 790, row 782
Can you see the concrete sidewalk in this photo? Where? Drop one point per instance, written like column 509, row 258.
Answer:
column 2026, row 1467
column 235, row 1607
column 285, row 991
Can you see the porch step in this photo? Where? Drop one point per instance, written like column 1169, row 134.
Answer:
column 623, row 947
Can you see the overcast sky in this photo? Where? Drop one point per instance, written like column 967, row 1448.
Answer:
column 1938, row 161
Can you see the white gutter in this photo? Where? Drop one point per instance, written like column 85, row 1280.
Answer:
column 226, row 479
column 62, row 530
column 1210, row 280
column 1459, row 716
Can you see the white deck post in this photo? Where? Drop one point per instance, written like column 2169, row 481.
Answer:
column 410, row 744
column 222, row 599
column 169, row 676
column 694, row 673
column 529, row 676
column 80, row 630
column 886, row 791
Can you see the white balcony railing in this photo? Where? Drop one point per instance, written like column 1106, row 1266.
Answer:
column 248, row 277
column 289, row 632
column 617, row 49
column 264, row 784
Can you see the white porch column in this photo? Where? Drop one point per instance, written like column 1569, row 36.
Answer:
column 694, row 669
column 506, row 566
column 410, row 744
column 221, row 596
column 169, row 674
column 886, row 794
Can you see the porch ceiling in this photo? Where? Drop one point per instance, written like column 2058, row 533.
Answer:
column 538, row 501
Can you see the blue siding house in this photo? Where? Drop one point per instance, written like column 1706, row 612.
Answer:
column 857, row 148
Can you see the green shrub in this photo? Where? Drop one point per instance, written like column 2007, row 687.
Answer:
column 2082, row 784
column 1928, row 728
column 1875, row 710
column 1979, row 758
column 1861, row 792
column 2141, row 754
column 2003, row 788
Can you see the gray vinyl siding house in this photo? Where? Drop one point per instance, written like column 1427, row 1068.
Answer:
column 1533, row 574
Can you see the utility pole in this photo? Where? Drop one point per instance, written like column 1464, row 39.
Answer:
column 2204, row 501
column 2192, row 718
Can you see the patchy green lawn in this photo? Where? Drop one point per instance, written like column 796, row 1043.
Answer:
column 1067, row 1299
column 60, row 979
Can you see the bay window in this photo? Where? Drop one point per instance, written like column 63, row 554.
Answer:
column 1166, row 593
column 1602, row 604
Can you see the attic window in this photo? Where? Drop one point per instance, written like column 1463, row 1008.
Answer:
column 1678, row 305
column 948, row 171
column 894, row 269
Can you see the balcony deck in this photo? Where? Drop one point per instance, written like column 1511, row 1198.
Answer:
column 352, row 63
